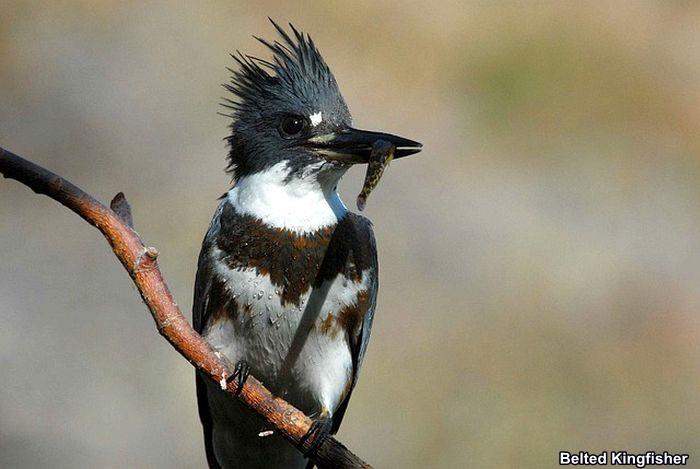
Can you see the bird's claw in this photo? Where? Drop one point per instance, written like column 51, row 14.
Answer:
column 240, row 374
column 318, row 432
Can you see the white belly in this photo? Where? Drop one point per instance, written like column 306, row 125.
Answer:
column 287, row 346
column 288, row 351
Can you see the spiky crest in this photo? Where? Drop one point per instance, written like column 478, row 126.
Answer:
column 296, row 80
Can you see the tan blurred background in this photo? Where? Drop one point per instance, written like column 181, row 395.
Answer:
column 540, row 268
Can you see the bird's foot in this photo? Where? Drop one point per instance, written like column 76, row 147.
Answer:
column 317, row 433
column 240, row 374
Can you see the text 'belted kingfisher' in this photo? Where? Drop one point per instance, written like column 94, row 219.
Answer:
column 287, row 278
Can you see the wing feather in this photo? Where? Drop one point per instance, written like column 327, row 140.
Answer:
column 358, row 343
column 201, row 309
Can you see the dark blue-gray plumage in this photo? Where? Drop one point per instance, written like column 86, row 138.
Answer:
column 297, row 82
column 287, row 278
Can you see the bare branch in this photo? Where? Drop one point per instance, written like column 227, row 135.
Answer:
column 141, row 264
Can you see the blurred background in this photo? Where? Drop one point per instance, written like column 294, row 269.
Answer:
column 540, row 263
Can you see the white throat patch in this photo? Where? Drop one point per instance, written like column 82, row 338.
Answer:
column 300, row 204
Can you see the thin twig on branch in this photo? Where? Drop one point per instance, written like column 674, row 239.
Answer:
column 115, row 224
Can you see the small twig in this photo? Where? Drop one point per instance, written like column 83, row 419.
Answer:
column 121, row 207
column 140, row 262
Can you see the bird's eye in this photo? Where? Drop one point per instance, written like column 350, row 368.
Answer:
column 291, row 126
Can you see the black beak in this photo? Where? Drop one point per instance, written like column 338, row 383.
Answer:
column 354, row 146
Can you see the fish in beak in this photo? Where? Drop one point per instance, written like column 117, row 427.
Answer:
column 376, row 149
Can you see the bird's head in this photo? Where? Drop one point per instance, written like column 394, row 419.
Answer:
column 289, row 111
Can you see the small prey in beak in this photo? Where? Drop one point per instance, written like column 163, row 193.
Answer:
column 352, row 146
column 381, row 155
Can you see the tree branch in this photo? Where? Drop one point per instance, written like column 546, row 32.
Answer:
column 140, row 262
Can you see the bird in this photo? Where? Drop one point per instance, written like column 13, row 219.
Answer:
column 287, row 277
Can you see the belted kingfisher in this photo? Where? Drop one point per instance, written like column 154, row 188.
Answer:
column 287, row 278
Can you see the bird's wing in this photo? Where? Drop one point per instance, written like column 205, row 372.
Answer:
column 201, row 309
column 205, row 277
column 365, row 253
